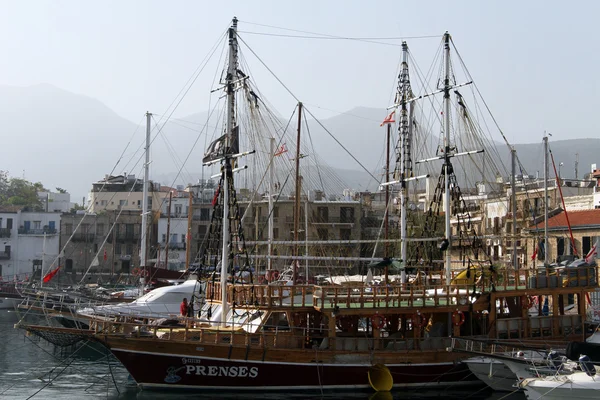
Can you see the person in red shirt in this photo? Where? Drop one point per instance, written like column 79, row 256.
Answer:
column 183, row 307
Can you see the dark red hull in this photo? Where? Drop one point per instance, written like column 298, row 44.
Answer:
column 162, row 371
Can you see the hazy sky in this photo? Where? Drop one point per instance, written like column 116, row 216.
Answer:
column 534, row 61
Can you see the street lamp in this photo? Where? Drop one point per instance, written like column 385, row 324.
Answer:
column 559, row 166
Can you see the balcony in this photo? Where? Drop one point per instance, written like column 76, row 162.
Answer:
column 334, row 220
column 42, row 231
column 127, row 236
column 5, row 255
column 4, row 233
column 83, row 237
column 174, row 245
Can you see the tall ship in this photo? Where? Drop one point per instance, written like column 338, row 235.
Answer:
column 275, row 334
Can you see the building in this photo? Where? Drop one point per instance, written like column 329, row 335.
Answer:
column 585, row 226
column 108, row 242
column 123, row 192
column 29, row 242
column 57, row 202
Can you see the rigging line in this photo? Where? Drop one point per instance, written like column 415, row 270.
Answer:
column 342, row 113
column 324, row 34
column 194, row 76
column 314, row 152
column 478, row 92
column 331, row 37
column 308, row 110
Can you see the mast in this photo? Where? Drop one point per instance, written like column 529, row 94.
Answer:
column 271, row 180
column 405, row 161
column 297, row 197
column 144, row 238
column 513, row 185
column 447, row 87
column 226, row 168
column 188, row 236
column 168, row 231
column 387, row 193
column 545, row 199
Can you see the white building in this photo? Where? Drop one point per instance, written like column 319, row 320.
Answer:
column 57, row 202
column 29, row 241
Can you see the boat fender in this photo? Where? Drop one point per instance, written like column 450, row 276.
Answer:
column 378, row 321
column 135, row 272
column 458, row 318
column 587, row 365
column 555, row 359
column 419, row 320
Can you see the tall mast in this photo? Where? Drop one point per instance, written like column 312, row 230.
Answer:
column 545, row 199
column 144, row 237
column 405, row 153
column 297, row 197
column 168, row 231
column 387, row 190
column 447, row 87
column 271, row 180
column 226, row 169
column 513, row 185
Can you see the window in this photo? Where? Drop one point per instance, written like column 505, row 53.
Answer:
column 122, row 203
column 323, row 233
column 275, row 212
column 85, row 228
column 9, row 223
column 118, row 248
column 275, row 233
column 347, row 215
column 129, row 249
column 204, row 214
column 164, row 238
column 103, row 202
column 345, row 234
column 323, row 214
column 183, row 238
column 68, row 229
column 178, row 208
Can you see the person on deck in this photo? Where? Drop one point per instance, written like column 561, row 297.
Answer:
column 183, row 308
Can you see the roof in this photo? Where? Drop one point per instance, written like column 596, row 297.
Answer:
column 10, row 209
column 578, row 219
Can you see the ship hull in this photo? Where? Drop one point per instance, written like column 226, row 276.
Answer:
column 185, row 370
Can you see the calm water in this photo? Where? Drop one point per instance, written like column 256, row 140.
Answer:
column 33, row 368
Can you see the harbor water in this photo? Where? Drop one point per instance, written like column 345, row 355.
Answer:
column 31, row 368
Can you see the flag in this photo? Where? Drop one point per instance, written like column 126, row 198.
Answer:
column 389, row 119
column 105, row 256
column 215, row 150
column 591, row 255
column 51, row 274
column 282, row 149
column 214, row 201
column 534, row 255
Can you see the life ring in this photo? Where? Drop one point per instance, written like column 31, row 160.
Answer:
column 274, row 275
column 458, row 317
column 378, row 321
column 261, row 279
column 144, row 273
column 135, row 272
column 419, row 320
column 526, row 302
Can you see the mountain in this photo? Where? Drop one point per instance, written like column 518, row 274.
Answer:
column 70, row 141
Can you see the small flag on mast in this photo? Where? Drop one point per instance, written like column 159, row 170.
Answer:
column 389, row 119
column 282, row 149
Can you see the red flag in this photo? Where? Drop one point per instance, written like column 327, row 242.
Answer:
column 214, row 202
column 389, row 119
column 105, row 257
column 591, row 255
column 281, row 150
column 534, row 255
column 51, row 274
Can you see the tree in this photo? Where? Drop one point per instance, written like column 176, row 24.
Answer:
column 61, row 190
column 19, row 192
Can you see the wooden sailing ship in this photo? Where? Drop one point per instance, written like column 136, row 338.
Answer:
column 296, row 337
